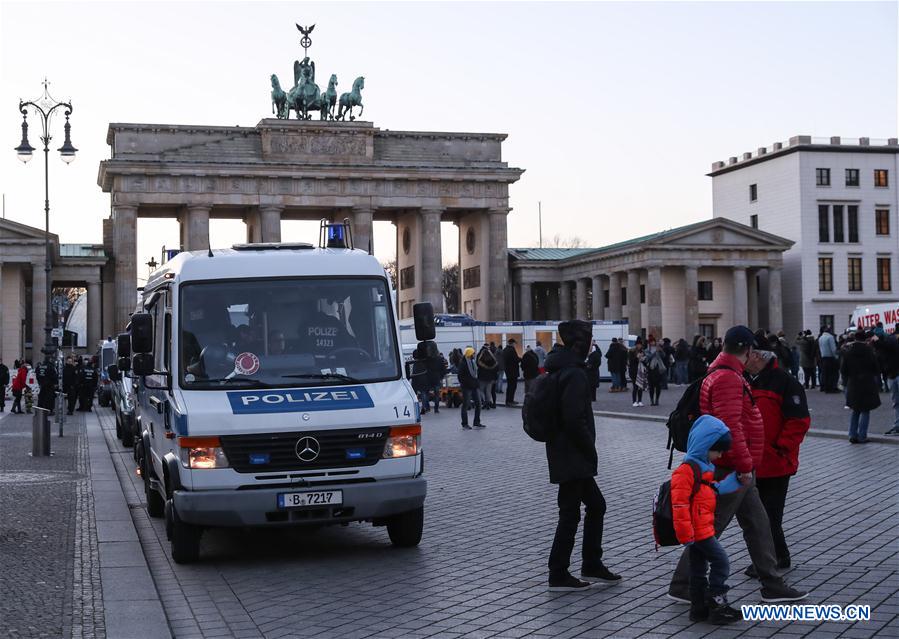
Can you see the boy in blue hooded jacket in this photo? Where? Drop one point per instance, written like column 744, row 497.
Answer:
column 693, row 509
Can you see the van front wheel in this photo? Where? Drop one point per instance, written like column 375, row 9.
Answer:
column 405, row 529
column 185, row 537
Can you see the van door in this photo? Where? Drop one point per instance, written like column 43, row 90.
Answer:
column 157, row 410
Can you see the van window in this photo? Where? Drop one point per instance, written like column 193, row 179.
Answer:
column 286, row 332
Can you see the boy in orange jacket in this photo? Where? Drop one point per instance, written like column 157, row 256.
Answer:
column 694, row 495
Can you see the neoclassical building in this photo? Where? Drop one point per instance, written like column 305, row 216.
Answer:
column 23, row 298
column 699, row 278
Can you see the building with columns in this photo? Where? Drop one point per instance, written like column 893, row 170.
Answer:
column 836, row 199
column 310, row 170
column 697, row 279
column 23, row 300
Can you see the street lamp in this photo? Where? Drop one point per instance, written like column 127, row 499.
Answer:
column 44, row 107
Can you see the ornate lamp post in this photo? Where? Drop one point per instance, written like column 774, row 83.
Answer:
column 44, row 107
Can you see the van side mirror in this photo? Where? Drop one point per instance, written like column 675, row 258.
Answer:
column 142, row 364
column 123, row 345
column 124, row 364
column 113, row 372
column 423, row 314
column 141, row 334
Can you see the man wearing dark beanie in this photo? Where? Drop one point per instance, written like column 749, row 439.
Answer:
column 571, row 453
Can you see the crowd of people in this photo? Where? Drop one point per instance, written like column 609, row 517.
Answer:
column 80, row 377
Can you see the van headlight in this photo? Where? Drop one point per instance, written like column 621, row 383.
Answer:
column 202, row 452
column 403, row 441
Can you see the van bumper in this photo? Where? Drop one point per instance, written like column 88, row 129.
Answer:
column 373, row 500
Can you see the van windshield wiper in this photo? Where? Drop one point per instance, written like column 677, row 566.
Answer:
column 247, row 380
column 340, row 376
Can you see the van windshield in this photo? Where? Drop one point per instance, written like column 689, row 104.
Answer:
column 286, row 332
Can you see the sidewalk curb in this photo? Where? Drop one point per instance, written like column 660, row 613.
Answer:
column 814, row 432
column 131, row 605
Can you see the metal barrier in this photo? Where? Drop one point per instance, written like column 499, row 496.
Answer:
column 40, row 433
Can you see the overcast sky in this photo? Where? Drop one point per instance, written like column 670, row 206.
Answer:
column 615, row 110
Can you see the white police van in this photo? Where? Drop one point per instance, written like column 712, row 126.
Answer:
column 271, row 393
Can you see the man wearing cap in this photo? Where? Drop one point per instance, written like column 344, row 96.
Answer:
column 571, row 453
column 511, row 362
column 468, row 380
column 781, row 401
column 725, row 394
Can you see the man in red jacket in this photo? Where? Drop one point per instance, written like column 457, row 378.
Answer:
column 726, row 395
column 781, row 401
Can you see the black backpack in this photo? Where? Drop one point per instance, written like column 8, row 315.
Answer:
column 540, row 411
column 687, row 411
column 663, row 513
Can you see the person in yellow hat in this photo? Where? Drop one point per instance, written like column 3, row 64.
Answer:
column 468, row 380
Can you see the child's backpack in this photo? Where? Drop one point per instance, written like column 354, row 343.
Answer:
column 687, row 411
column 540, row 411
column 663, row 514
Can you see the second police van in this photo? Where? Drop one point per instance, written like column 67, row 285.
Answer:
column 271, row 393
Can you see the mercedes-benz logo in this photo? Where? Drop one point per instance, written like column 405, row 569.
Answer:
column 308, row 448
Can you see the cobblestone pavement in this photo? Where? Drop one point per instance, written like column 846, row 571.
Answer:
column 826, row 409
column 480, row 570
column 49, row 568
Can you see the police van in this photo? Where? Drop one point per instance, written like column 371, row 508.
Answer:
column 271, row 393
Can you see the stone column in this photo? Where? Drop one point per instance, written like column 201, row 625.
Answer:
column 3, row 302
column 635, row 322
column 269, row 223
column 498, row 260
column 431, row 259
column 94, row 314
column 195, row 228
column 691, row 303
column 654, row 302
column 564, row 300
column 752, row 287
column 775, row 300
column 38, row 309
column 362, row 228
column 253, row 225
column 741, row 297
column 525, row 302
column 581, row 298
column 614, row 296
column 124, row 236
column 598, row 298
column 552, row 304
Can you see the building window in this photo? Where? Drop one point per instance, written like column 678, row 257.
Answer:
column 754, row 221
column 825, row 273
column 855, row 274
column 883, row 274
column 605, row 298
column 705, row 290
column 825, row 320
column 624, row 296
column 823, row 224
column 881, row 177
column 707, row 331
column 643, row 293
column 838, row 223
column 753, row 192
column 471, row 277
column 882, row 221
column 822, row 177
column 851, row 177
column 852, row 210
column 407, row 277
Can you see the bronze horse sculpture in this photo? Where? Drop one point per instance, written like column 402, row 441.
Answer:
column 279, row 99
column 352, row 99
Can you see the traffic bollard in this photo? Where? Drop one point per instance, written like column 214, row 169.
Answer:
column 40, row 433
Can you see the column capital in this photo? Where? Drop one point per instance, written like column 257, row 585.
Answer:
column 198, row 207
column 275, row 208
column 124, row 207
column 431, row 210
column 499, row 210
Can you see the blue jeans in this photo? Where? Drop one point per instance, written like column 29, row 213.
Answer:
column 680, row 372
column 616, row 379
column 708, row 555
column 471, row 394
column 894, row 389
column 858, row 425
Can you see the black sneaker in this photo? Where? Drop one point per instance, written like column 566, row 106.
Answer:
column 600, row 573
column 751, row 572
column 568, row 583
column 480, row 425
column 782, row 594
column 853, row 440
column 466, row 427
column 720, row 612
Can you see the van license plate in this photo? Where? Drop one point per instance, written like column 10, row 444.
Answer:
column 311, row 498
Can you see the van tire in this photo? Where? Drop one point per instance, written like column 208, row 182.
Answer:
column 155, row 502
column 185, row 539
column 127, row 437
column 405, row 529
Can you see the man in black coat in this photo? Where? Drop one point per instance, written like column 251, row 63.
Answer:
column 47, row 378
column 530, row 368
column 87, row 384
column 571, row 453
column 511, row 361
column 4, row 382
column 70, row 384
column 594, row 361
column 468, row 380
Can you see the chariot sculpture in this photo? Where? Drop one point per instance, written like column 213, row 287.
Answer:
column 306, row 98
